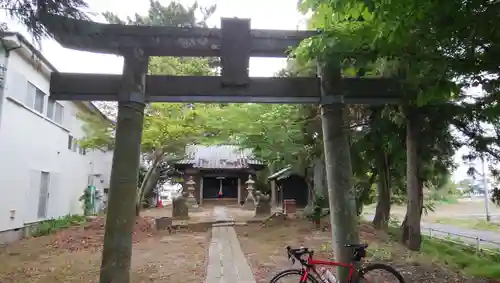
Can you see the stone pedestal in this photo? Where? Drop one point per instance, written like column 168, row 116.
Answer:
column 179, row 207
column 163, row 223
column 250, row 200
column 191, row 200
column 263, row 205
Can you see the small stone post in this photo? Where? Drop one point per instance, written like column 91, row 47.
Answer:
column 263, row 204
column 191, row 200
column 250, row 200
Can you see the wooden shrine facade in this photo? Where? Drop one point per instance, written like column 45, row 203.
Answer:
column 219, row 172
column 286, row 184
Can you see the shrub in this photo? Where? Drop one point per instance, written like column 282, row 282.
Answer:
column 53, row 225
column 317, row 211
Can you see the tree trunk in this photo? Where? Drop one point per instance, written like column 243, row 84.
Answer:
column 141, row 189
column 149, row 181
column 317, row 187
column 148, row 186
column 383, row 210
column 410, row 229
column 320, row 184
column 310, row 192
column 120, row 217
column 341, row 193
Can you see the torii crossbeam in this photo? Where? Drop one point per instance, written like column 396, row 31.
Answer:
column 235, row 43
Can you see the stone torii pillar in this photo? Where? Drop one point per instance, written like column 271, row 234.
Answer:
column 120, row 218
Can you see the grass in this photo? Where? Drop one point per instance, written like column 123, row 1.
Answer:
column 459, row 257
column 478, row 224
column 53, row 225
column 462, row 258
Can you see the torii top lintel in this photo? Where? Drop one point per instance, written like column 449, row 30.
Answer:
column 168, row 41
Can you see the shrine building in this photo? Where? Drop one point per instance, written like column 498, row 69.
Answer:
column 219, row 172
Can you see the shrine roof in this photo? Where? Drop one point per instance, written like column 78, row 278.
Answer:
column 219, row 157
column 281, row 174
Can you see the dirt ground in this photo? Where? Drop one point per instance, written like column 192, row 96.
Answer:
column 265, row 251
column 74, row 255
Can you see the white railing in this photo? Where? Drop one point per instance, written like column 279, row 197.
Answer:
column 479, row 244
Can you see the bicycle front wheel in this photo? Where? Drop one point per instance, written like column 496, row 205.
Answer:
column 379, row 272
column 292, row 276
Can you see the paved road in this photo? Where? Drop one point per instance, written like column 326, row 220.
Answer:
column 226, row 261
column 488, row 238
column 481, row 216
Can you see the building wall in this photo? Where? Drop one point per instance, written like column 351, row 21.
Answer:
column 32, row 142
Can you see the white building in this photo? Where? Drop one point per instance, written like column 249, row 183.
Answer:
column 43, row 172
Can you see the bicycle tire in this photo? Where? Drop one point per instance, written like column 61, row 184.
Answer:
column 310, row 278
column 381, row 266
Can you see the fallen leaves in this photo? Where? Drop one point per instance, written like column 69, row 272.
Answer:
column 73, row 255
column 91, row 235
column 265, row 251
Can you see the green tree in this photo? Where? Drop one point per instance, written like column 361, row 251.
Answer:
column 169, row 127
column 437, row 51
column 173, row 15
column 365, row 41
column 28, row 12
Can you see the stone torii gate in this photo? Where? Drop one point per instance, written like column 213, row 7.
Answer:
column 234, row 43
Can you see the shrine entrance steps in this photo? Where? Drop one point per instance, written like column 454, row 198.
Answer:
column 226, row 261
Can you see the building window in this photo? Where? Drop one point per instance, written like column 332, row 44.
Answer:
column 39, row 100
column 50, row 108
column 58, row 113
column 70, row 142
column 75, row 145
column 43, row 197
column 35, row 98
column 55, row 111
column 30, row 95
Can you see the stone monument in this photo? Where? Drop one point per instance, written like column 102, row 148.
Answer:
column 191, row 200
column 179, row 207
column 262, row 205
column 250, row 200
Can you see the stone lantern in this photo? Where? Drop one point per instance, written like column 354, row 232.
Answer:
column 250, row 200
column 191, row 200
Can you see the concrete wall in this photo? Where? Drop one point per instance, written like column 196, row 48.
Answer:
column 32, row 142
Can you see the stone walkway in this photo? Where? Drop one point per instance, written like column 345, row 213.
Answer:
column 226, row 261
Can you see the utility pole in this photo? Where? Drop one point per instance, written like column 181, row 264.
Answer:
column 485, row 186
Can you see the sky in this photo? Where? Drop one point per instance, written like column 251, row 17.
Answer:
column 264, row 14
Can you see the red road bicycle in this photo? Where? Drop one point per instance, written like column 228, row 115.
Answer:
column 309, row 273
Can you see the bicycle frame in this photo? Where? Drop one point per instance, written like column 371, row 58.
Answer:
column 312, row 263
